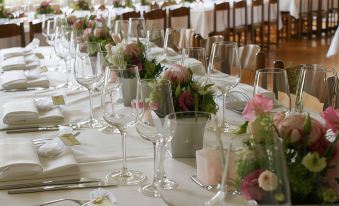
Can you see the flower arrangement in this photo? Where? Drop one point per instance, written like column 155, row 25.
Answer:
column 134, row 53
column 45, row 8
column 311, row 155
column 91, row 29
column 5, row 13
column 187, row 94
column 81, row 5
column 145, row 3
column 117, row 4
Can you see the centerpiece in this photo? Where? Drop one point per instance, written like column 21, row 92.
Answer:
column 311, row 151
column 81, row 5
column 5, row 13
column 45, row 8
column 117, row 4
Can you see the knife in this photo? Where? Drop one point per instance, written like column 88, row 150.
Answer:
column 36, row 129
column 50, row 182
column 60, row 187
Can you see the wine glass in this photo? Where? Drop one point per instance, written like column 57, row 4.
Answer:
column 173, row 44
column 225, row 58
column 62, row 42
column 155, row 40
column 51, row 26
column 316, row 89
column 65, row 6
column 273, row 83
column 195, row 136
column 121, row 30
column 136, row 29
column 97, row 3
column 119, row 116
column 87, row 75
column 194, row 58
column 156, row 98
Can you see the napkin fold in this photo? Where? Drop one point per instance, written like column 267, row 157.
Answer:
column 19, row 79
column 14, row 63
column 27, row 112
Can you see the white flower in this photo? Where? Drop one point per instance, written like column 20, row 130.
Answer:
column 268, row 181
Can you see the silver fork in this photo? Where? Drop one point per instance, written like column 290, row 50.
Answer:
column 79, row 202
column 39, row 142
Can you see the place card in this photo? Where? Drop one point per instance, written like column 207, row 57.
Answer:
column 69, row 139
column 43, row 69
column 39, row 55
column 58, row 100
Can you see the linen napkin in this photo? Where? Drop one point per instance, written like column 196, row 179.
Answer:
column 195, row 65
column 27, row 112
column 18, row 158
column 19, row 79
column 19, row 51
column 14, row 63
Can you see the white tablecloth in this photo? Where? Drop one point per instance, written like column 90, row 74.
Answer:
column 100, row 153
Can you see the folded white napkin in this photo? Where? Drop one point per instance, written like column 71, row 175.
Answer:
column 27, row 112
column 195, row 65
column 14, row 52
column 18, row 158
column 19, row 79
column 14, row 63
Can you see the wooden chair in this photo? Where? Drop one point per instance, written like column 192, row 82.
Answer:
column 11, row 30
column 180, row 12
column 221, row 8
column 332, row 16
column 272, row 3
column 305, row 19
column 257, row 4
column 238, row 30
column 156, row 14
column 168, row 3
column 33, row 29
column 131, row 14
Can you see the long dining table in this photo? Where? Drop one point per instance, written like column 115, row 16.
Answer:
column 100, row 153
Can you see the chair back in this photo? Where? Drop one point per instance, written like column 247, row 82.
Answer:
column 179, row 12
column 153, row 19
column 33, row 29
column 219, row 11
column 131, row 14
column 11, row 30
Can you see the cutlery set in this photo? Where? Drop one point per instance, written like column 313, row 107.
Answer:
column 52, row 185
column 36, row 129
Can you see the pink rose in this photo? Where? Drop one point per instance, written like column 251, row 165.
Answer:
column 71, row 20
column 78, row 24
column 97, row 32
column 177, row 73
column 292, row 129
column 154, row 105
column 258, row 105
column 331, row 117
column 278, row 118
column 333, row 171
column 186, row 101
column 250, row 186
column 87, row 34
column 133, row 50
column 45, row 3
column 90, row 23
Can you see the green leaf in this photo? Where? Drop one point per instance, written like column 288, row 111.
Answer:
column 242, row 129
column 178, row 91
column 307, row 125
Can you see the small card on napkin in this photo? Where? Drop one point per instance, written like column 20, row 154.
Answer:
column 69, row 139
column 58, row 100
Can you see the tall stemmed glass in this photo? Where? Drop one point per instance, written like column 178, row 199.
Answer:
column 65, row 6
column 226, row 60
column 119, row 116
column 62, row 43
column 273, row 83
column 154, row 38
column 87, row 75
column 156, row 98
column 121, row 30
column 195, row 59
column 136, row 29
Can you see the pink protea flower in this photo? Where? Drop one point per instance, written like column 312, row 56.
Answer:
column 250, row 186
column 257, row 106
column 177, row 73
column 97, row 32
column 90, row 23
column 186, row 101
column 71, row 20
column 133, row 50
column 45, row 3
column 331, row 117
column 78, row 24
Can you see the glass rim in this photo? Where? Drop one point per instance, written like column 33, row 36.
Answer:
column 121, row 66
column 158, row 80
column 271, row 70
column 193, row 48
column 226, row 43
column 317, row 68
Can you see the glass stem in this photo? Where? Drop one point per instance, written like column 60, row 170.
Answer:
column 67, row 71
column 91, row 117
column 124, row 171
column 224, row 96
column 155, row 177
column 160, row 154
